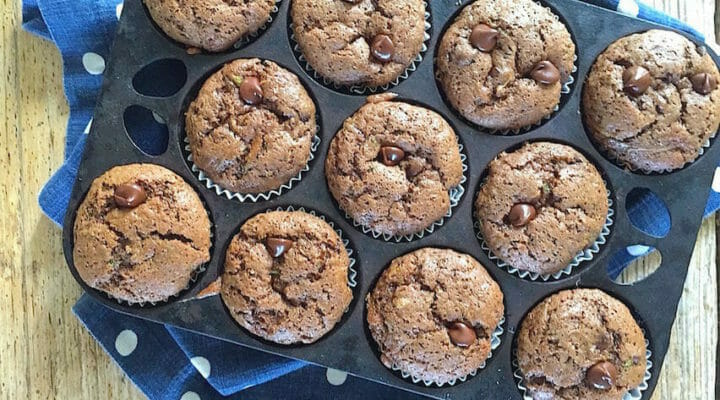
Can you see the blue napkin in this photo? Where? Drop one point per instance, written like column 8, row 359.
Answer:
column 169, row 363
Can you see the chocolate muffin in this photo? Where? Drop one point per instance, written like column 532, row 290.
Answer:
column 359, row 42
column 580, row 344
column 286, row 277
column 540, row 205
column 502, row 63
column 391, row 166
column 433, row 313
column 213, row 25
column 140, row 234
column 651, row 101
column 251, row 126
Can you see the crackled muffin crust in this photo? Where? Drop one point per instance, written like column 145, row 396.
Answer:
column 398, row 199
column 568, row 333
column 296, row 297
column 495, row 89
column 251, row 148
column 416, row 301
column 336, row 37
column 665, row 127
column 147, row 253
column 213, row 25
column 567, row 194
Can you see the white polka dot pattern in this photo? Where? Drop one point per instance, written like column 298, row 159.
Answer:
column 94, row 63
column 202, row 365
column 628, row 7
column 126, row 342
column 335, row 377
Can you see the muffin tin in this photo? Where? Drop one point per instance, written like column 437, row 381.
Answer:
column 348, row 346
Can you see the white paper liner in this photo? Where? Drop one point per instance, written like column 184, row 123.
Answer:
column 586, row 254
column 360, row 89
column 455, row 193
column 633, row 394
column 250, row 197
column 494, row 343
column 352, row 272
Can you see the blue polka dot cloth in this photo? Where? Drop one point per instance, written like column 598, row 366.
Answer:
column 169, row 363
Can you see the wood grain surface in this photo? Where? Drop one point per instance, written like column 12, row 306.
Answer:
column 45, row 353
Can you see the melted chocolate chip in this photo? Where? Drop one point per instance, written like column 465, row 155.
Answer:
column 484, row 37
column 636, row 80
column 521, row 214
column 461, row 334
column 391, row 155
column 277, row 246
column 129, row 195
column 250, row 90
column 382, row 48
column 546, row 73
column 703, row 83
column 601, row 375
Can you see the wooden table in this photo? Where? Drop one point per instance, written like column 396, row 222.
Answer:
column 44, row 351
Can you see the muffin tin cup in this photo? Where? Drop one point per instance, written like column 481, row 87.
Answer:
column 495, row 341
column 250, row 197
column 360, row 89
column 565, row 90
column 455, row 193
column 633, row 394
column 584, row 255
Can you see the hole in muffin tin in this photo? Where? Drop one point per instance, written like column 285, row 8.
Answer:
column 238, row 45
column 246, row 197
column 582, row 257
column 633, row 264
column 457, row 193
column 161, row 78
column 354, row 275
column 360, row 90
column 147, row 130
column 648, row 213
column 497, row 339
column 182, row 295
column 566, row 92
column 633, row 394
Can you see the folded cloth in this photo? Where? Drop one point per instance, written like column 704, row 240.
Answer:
column 169, row 363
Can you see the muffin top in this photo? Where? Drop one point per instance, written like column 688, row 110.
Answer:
column 502, row 63
column 213, row 25
column 286, row 277
column 140, row 234
column 580, row 344
column 391, row 165
column 360, row 42
column 251, row 126
column 651, row 101
column 540, row 205
column 433, row 313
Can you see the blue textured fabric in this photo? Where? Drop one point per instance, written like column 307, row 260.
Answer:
column 165, row 362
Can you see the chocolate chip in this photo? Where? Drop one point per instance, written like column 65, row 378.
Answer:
column 636, row 80
column 703, row 83
column 250, row 90
column 129, row 195
column 352, row 1
column 521, row 214
column 545, row 72
column 277, row 246
column 484, row 37
column 382, row 48
column 461, row 334
column 601, row 375
column 391, row 155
